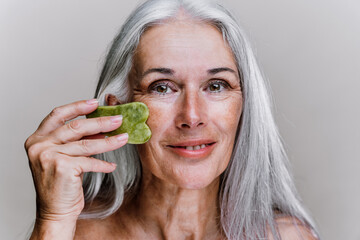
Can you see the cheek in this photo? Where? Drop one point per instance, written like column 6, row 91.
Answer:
column 160, row 114
column 226, row 116
column 226, row 121
column 160, row 118
column 161, row 123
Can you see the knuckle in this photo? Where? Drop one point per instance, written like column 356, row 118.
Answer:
column 78, row 106
column 101, row 121
column 33, row 151
column 45, row 160
column 85, row 145
column 27, row 143
column 55, row 112
column 60, row 166
column 74, row 126
column 111, row 141
column 45, row 156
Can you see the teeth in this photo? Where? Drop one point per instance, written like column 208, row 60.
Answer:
column 195, row 147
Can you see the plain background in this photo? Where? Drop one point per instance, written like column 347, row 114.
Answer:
column 51, row 53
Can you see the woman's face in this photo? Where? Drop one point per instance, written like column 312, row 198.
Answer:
column 187, row 76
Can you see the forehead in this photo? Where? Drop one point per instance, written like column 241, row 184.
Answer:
column 183, row 43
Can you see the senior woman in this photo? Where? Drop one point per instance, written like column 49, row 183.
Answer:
column 214, row 167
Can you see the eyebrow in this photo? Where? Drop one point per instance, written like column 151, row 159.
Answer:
column 214, row 71
column 169, row 71
column 158, row 70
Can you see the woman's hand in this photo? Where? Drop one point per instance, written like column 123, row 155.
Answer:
column 58, row 155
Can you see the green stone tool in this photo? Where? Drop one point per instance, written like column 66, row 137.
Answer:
column 134, row 115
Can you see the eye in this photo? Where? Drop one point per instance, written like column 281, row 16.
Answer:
column 160, row 88
column 217, row 86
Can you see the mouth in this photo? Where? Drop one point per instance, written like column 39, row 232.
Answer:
column 195, row 149
column 192, row 147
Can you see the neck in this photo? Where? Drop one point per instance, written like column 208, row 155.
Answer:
column 167, row 211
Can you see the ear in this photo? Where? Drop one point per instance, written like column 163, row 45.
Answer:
column 111, row 100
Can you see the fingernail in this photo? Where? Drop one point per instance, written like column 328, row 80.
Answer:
column 122, row 137
column 92, row 101
column 114, row 164
column 116, row 119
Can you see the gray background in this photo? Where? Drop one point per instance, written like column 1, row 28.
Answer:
column 51, row 53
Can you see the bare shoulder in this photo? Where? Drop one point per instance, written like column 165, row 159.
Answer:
column 292, row 229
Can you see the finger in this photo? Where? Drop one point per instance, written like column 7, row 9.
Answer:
column 80, row 128
column 86, row 147
column 60, row 115
column 80, row 165
column 90, row 164
column 95, row 136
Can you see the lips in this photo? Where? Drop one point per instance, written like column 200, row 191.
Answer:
column 196, row 147
column 193, row 148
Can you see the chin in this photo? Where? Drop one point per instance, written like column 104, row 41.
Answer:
column 195, row 180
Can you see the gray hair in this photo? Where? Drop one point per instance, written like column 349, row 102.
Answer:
column 256, row 185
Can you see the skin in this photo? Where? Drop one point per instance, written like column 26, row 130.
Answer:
column 197, row 99
column 187, row 103
column 58, row 156
column 189, row 109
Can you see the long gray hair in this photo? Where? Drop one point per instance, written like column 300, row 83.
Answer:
column 256, row 186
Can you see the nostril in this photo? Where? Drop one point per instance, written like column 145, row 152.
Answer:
column 185, row 125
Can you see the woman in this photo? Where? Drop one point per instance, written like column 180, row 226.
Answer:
column 214, row 167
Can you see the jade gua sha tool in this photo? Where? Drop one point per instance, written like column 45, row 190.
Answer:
column 134, row 115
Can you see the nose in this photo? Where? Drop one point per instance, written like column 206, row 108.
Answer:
column 192, row 111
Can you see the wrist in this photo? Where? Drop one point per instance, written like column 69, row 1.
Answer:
column 53, row 229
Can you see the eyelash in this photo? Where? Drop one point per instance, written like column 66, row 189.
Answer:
column 154, row 85
column 170, row 85
column 223, row 83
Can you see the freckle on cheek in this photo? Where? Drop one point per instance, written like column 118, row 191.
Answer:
column 154, row 118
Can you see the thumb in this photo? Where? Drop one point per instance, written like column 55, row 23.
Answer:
column 90, row 164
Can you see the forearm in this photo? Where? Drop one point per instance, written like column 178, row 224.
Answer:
column 53, row 230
